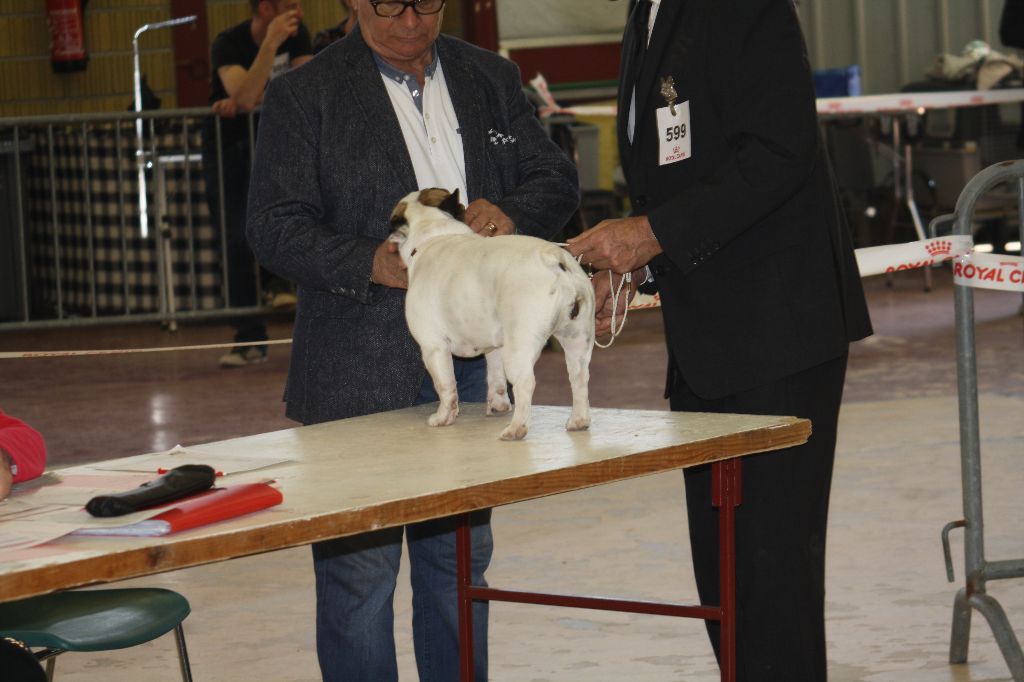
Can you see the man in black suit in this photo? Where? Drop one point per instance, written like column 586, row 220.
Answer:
column 735, row 213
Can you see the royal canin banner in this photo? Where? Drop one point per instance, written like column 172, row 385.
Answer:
column 876, row 260
column 989, row 271
column 970, row 268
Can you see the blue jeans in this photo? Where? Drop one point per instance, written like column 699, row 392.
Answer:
column 355, row 586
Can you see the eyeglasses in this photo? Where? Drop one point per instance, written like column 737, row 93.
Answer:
column 390, row 9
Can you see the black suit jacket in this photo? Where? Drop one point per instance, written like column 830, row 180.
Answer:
column 758, row 279
column 331, row 164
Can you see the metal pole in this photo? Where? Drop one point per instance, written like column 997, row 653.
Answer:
column 89, row 228
column 54, row 220
column 22, row 230
column 122, row 223
column 140, row 151
column 188, row 214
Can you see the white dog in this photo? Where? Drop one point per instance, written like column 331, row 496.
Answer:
column 502, row 297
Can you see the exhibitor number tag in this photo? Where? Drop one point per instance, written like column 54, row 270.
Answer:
column 674, row 133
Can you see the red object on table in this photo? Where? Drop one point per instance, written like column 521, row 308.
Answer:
column 220, row 504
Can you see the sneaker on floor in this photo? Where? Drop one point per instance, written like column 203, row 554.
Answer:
column 240, row 357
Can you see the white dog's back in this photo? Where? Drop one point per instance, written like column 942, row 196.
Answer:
column 515, row 278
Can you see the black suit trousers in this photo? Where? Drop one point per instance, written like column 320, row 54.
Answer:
column 780, row 527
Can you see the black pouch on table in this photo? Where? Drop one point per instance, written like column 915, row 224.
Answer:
column 177, row 483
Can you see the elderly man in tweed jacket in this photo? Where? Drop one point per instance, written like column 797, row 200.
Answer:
column 392, row 108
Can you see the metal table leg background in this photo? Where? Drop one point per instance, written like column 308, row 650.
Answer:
column 726, row 482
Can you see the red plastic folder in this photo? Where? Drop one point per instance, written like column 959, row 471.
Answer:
column 208, row 507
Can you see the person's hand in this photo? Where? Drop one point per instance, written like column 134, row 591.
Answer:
column 282, row 27
column 603, row 288
column 619, row 244
column 487, row 219
column 225, row 107
column 388, row 268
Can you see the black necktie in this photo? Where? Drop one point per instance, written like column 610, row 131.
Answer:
column 643, row 16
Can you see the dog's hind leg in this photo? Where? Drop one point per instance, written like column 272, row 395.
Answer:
column 519, row 369
column 497, row 384
column 578, row 345
column 442, row 371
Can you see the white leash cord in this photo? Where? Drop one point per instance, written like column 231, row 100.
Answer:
column 616, row 292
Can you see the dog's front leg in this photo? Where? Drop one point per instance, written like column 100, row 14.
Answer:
column 497, row 384
column 442, row 371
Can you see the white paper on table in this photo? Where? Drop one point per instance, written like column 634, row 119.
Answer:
column 149, row 528
column 75, row 489
column 27, row 510
column 24, row 534
column 178, row 455
column 23, row 509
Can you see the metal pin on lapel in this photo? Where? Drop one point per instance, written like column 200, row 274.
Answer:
column 668, row 91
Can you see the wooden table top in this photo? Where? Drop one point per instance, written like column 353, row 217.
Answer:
column 390, row 469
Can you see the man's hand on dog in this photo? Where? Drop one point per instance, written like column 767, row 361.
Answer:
column 487, row 219
column 620, row 244
column 388, row 268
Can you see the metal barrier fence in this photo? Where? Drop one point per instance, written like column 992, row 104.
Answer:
column 978, row 569
column 96, row 227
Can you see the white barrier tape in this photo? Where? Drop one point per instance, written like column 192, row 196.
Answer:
column 124, row 351
column 970, row 268
column 989, row 271
column 830, row 107
column 875, row 260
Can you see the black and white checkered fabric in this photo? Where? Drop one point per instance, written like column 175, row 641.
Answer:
column 86, row 246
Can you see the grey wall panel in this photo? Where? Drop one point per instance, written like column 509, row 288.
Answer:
column 894, row 41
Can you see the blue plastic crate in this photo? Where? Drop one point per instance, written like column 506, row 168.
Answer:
column 841, row 82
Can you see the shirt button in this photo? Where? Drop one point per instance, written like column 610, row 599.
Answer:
column 433, row 140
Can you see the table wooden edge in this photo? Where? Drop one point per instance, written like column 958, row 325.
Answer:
column 206, row 549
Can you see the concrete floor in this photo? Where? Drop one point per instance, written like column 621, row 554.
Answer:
column 896, row 484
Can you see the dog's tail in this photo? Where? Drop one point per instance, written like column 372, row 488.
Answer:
column 570, row 277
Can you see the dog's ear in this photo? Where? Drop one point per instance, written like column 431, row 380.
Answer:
column 433, row 197
column 398, row 216
column 451, row 206
column 400, row 234
column 399, row 225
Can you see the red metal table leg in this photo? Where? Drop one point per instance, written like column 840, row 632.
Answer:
column 726, row 494
column 464, row 574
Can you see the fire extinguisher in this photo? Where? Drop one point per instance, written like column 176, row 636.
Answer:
column 67, row 35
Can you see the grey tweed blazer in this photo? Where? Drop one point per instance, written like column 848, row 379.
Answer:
column 331, row 164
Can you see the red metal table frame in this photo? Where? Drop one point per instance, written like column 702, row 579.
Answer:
column 726, row 495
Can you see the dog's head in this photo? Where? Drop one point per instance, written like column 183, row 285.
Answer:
column 423, row 215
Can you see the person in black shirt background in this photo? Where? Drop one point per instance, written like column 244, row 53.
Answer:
column 244, row 59
column 330, row 35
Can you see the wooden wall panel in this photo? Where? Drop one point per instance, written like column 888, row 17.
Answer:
column 29, row 87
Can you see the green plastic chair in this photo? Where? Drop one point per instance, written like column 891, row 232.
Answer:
column 96, row 620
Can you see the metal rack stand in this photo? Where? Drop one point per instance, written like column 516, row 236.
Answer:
column 978, row 570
